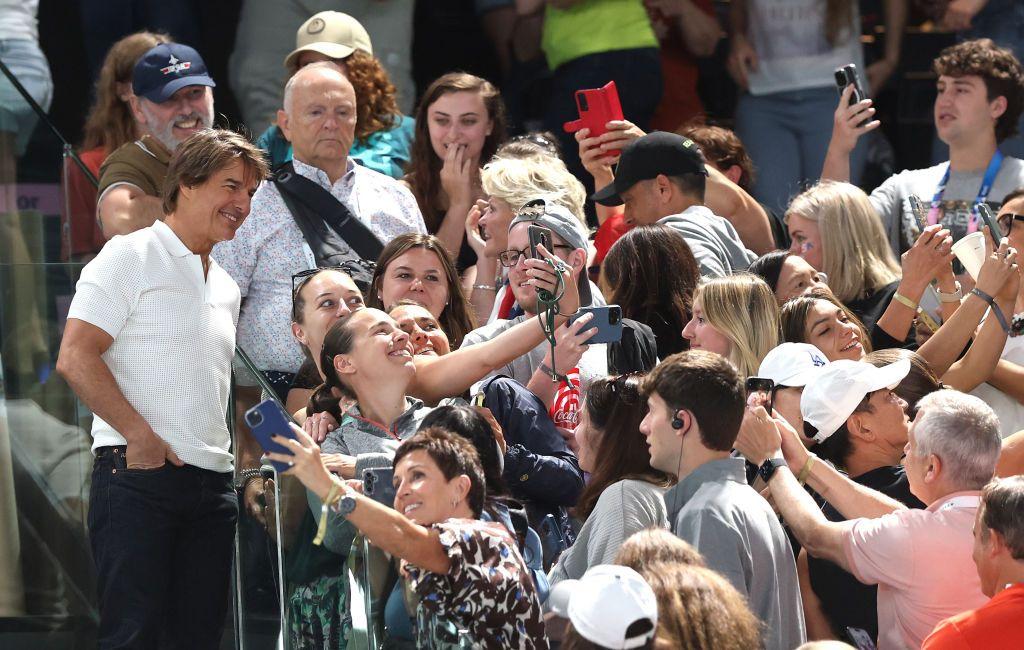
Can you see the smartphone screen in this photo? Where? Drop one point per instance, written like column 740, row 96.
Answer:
column 759, row 392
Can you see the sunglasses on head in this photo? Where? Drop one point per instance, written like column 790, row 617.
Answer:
column 300, row 279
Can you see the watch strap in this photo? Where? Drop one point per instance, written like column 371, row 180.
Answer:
column 768, row 468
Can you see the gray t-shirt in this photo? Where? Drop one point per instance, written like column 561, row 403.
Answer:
column 624, row 508
column 715, row 243
column 740, row 537
column 892, row 198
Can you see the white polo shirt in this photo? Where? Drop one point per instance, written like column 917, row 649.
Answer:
column 174, row 339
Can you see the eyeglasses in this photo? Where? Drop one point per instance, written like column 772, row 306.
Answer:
column 512, row 256
column 300, row 279
column 1006, row 220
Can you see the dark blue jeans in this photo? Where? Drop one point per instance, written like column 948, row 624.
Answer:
column 162, row 544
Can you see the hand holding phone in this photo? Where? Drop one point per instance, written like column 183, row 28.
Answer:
column 994, row 231
column 760, row 392
column 597, row 107
column 266, row 420
column 607, row 319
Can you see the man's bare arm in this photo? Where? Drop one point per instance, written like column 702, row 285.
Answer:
column 80, row 362
column 126, row 208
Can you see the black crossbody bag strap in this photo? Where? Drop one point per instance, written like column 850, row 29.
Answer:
column 315, row 209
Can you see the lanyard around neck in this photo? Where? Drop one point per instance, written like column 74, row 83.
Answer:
column 986, row 186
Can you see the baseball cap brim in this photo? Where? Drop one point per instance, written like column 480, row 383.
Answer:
column 888, row 376
column 609, row 195
column 332, row 50
column 799, row 379
column 161, row 95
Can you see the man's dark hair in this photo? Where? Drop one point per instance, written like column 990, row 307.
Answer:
column 724, row 149
column 691, row 185
column 999, row 69
column 204, row 154
column 1015, row 194
column 454, row 456
column 708, row 386
column 1002, row 502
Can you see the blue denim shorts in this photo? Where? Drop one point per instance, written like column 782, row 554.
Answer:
column 23, row 58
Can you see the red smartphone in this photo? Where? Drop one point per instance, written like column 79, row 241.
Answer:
column 597, row 107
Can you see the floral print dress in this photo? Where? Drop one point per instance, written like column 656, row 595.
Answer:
column 487, row 591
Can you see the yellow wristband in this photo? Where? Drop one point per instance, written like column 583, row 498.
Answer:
column 903, row 300
column 333, row 496
column 805, row 471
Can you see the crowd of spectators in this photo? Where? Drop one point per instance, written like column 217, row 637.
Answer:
column 804, row 425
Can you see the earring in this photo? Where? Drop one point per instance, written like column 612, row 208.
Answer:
column 455, row 503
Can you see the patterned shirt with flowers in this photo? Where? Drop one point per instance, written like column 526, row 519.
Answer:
column 488, row 591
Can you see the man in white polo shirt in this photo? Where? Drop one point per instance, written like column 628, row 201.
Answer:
column 148, row 347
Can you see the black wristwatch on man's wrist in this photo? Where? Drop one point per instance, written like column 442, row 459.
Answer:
column 768, row 467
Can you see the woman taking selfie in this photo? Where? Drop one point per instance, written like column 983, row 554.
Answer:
column 465, row 573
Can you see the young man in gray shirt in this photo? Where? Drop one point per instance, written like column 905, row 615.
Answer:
column 978, row 104
column 696, row 402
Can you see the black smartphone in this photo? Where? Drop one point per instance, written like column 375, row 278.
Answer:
column 607, row 319
column 848, row 75
column 759, row 392
column 985, row 213
column 539, row 235
column 552, row 540
column 266, row 420
column 860, row 638
column 379, row 485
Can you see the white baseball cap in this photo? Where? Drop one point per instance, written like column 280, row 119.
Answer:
column 611, row 605
column 830, row 398
column 792, row 364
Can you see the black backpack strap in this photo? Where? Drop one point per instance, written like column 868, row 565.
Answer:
column 315, row 210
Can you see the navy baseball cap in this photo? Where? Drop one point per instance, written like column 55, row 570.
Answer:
column 644, row 158
column 166, row 69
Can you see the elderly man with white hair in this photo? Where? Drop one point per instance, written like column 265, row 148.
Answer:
column 920, row 559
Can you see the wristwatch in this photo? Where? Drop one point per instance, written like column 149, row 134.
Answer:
column 768, row 467
column 346, row 504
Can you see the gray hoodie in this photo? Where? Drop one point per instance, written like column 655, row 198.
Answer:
column 713, row 240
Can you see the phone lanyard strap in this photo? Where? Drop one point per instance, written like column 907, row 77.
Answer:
column 986, row 186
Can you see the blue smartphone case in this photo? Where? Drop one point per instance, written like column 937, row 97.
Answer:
column 608, row 321
column 267, row 420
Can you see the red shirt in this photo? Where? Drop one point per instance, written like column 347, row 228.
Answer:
column 80, row 227
column 996, row 625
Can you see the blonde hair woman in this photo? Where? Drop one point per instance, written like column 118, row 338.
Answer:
column 736, row 316
column 509, row 182
column 836, row 230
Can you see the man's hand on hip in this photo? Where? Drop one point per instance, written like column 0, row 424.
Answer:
column 149, row 451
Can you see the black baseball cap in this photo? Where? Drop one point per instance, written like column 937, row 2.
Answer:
column 644, row 158
column 167, row 68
